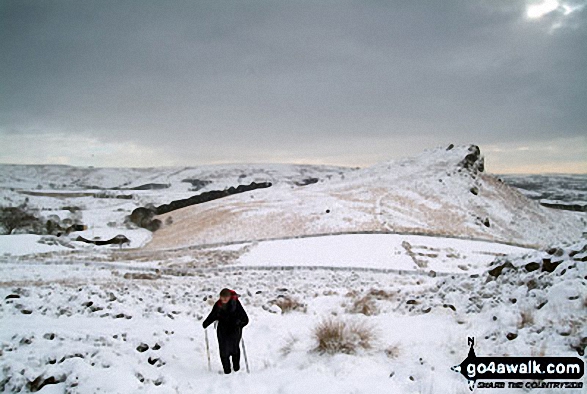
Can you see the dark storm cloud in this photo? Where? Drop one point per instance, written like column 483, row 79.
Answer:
column 195, row 79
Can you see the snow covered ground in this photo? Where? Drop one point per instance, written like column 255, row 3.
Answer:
column 82, row 327
column 24, row 244
column 402, row 247
column 394, row 252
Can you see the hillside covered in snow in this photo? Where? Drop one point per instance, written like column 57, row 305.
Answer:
column 102, row 198
column 441, row 192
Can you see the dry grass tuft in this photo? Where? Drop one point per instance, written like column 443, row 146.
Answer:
column 392, row 351
column 365, row 305
column 289, row 304
column 526, row 319
column 381, row 294
column 338, row 336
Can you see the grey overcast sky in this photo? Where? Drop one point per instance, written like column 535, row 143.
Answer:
column 149, row 83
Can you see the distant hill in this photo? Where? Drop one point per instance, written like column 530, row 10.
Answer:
column 176, row 179
column 564, row 191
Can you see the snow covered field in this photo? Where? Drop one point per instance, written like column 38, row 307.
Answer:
column 423, row 251
column 392, row 252
column 81, row 326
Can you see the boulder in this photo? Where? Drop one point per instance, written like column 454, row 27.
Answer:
column 473, row 161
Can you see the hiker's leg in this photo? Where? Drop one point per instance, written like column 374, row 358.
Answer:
column 225, row 360
column 236, row 353
column 224, row 355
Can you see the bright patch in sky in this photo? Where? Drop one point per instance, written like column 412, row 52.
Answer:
column 535, row 11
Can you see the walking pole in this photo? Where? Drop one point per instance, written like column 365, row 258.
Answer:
column 245, row 353
column 207, row 349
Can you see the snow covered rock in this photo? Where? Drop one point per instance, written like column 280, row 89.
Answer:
column 541, row 296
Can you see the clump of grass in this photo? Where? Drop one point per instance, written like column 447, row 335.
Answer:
column 381, row 294
column 289, row 304
column 338, row 336
column 352, row 294
column 526, row 319
column 364, row 305
column 392, row 351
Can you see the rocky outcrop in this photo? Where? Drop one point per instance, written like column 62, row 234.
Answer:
column 473, row 162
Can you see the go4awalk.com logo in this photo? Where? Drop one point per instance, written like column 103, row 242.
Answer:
column 521, row 372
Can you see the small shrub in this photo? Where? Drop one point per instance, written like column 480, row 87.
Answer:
column 144, row 217
column 154, row 225
column 337, row 336
column 19, row 218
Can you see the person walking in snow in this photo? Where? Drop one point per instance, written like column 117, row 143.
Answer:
column 231, row 318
